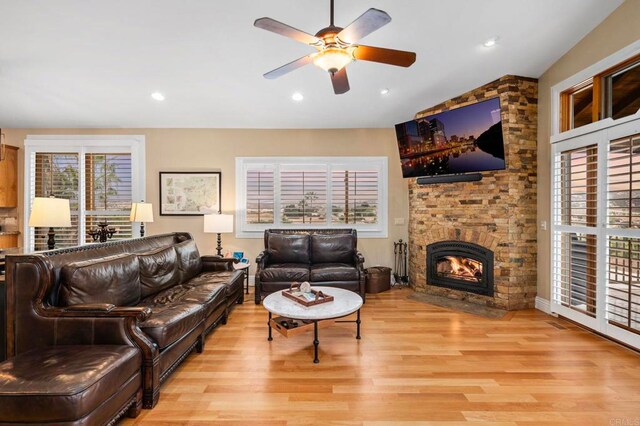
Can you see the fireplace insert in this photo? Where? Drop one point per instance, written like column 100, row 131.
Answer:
column 461, row 266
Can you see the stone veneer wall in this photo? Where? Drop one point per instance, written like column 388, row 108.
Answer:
column 498, row 212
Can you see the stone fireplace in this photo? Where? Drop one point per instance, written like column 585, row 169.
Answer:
column 476, row 241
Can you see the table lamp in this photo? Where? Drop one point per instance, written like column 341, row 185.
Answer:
column 141, row 212
column 52, row 213
column 218, row 224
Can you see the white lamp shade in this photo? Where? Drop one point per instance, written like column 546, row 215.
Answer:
column 50, row 212
column 141, row 212
column 218, row 223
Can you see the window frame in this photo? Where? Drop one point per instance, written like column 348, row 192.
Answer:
column 560, row 93
column 83, row 144
column 243, row 164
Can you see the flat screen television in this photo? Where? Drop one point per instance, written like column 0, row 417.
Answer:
column 462, row 140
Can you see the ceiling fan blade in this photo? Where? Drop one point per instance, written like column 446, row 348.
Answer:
column 278, row 72
column 340, row 82
column 399, row 58
column 285, row 30
column 364, row 25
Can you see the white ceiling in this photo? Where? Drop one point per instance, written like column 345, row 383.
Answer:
column 80, row 63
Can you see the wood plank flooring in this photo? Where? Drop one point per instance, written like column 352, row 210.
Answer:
column 416, row 364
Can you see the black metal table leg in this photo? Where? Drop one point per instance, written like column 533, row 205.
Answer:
column 246, row 276
column 269, row 327
column 358, row 325
column 316, row 360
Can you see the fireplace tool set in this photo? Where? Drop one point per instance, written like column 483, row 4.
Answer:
column 400, row 269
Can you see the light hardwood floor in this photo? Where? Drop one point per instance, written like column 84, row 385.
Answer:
column 416, row 364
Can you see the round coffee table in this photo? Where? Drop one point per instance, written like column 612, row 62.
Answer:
column 345, row 303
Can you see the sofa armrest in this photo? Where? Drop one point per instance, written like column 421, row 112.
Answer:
column 217, row 263
column 104, row 310
column 358, row 259
column 262, row 259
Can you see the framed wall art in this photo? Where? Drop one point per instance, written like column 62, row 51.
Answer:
column 190, row 193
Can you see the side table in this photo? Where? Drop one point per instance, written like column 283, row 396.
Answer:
column 244, row 267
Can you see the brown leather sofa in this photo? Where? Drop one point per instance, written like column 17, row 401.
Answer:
column 324, row 257
column 156, row 295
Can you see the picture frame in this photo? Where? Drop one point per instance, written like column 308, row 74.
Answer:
column 190, row 193
column 238, row 255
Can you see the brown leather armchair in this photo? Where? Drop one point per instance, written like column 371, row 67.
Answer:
column 82, row 366
column 323, row 257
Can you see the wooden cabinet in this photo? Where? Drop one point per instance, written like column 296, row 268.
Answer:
column 9, row 177
column 8, row 241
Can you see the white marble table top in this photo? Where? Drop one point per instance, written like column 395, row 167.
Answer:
column 239, row 266
column 344, row 302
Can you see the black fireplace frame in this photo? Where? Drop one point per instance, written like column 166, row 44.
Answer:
column 461, row 248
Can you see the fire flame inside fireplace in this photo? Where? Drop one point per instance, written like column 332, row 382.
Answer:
column 459, row 267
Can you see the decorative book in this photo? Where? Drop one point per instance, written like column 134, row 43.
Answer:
column 306, row 298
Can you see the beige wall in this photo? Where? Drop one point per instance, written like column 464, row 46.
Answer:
column 620, row 29
column 216, row 149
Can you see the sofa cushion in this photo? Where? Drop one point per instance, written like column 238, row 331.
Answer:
column 333, row 272
column 336, row 248
column 189, row 262
column 232, row 280
column 285, row 272
column 284, row 248
column 64, row 383
column 170, row 319
column 210, row 277
column 158, row 270
column 209, row 295
column 111, row 279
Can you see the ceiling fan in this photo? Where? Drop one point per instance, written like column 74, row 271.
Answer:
column 337, row 47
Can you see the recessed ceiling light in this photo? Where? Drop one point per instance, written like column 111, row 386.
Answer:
column 384, row 91
column 491, row 42
column 157, row 96
column 297, row 97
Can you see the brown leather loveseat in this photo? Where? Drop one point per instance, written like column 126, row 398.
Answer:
column 324, row 257
column 155, row 295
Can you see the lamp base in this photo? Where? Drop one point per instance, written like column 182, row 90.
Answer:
column 141, row 229
column 51, row 242
column 219, row 248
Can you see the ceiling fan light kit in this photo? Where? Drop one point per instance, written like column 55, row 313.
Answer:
column 336, row 47
column 333, row 59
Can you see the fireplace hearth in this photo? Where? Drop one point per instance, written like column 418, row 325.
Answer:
column 461, row 266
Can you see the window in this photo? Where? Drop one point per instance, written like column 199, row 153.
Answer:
column 613, row 93
column 622, row 91
column 100, row 177
column 291, row 192
column 581, row 104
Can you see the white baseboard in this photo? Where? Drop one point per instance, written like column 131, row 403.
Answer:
column 543, row 305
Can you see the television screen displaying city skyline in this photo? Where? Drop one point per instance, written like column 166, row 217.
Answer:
column 462, row 140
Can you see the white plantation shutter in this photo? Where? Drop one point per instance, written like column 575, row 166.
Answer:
column 575, row 205
column 354, row 196
column 259, row 184
column 623, row 213
column 316, row 192
column 100, row 176
column 108, row 192
column 596, row 230
column 303, row 196
column 57, row 174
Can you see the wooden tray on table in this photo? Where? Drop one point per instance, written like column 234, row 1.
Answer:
column 314, row 297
